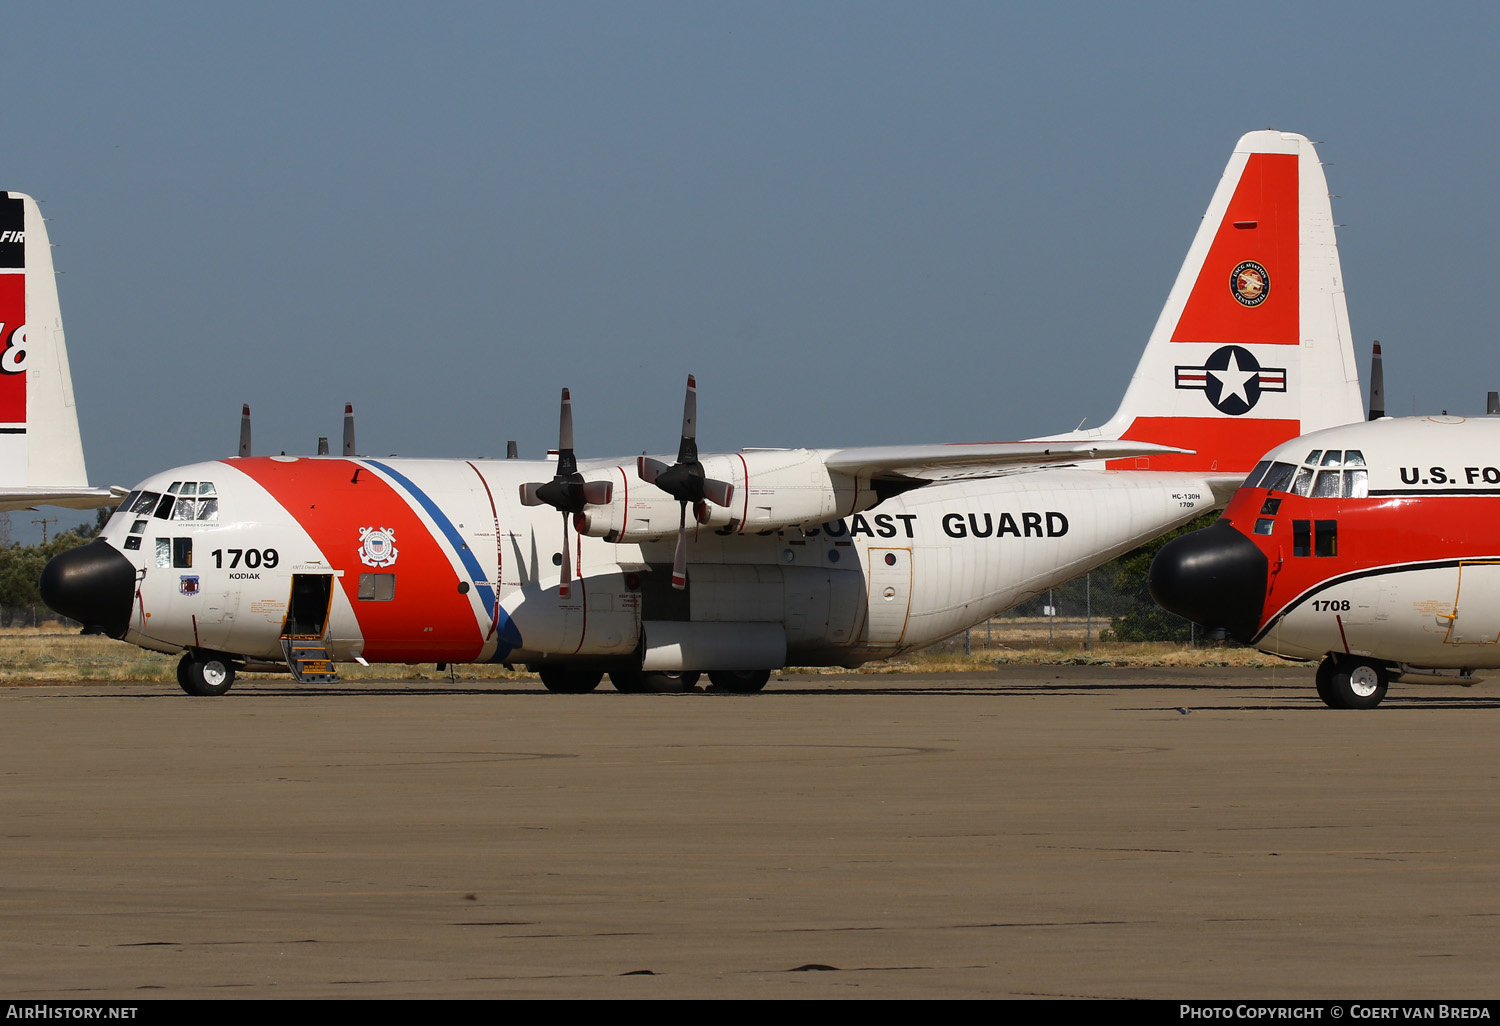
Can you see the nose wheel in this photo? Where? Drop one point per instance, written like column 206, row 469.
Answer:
column 205, row 673
column 1351, row 683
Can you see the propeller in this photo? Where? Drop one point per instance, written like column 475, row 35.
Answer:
column 1377, row 385
column 685, row 481
column 245, row 430
column 567, row 492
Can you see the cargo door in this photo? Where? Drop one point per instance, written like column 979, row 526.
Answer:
column 1476, row 607
column 888, row 599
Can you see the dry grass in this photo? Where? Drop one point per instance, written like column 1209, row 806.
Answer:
column 54, row 653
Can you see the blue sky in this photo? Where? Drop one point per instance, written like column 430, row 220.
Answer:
column 857, row 223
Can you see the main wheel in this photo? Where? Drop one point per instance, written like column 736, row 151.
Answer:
column 1355, row 684
column 661, row 682
column 204, row 673
column 1324, row 679
column 570, row 680
column 740, row 682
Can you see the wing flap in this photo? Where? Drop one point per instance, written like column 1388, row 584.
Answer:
column 962, row 461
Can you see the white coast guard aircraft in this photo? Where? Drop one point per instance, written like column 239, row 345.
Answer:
column 1369, row 547
column 41, row 454
column 736, row 563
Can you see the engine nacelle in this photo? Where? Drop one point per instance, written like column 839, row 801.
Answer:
column 773, row 489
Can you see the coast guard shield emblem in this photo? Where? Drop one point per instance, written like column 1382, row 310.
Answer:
column 377, row 546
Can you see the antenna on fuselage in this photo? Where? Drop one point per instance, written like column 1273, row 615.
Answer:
column 349, row 429
column 245, row 430
column 1377, row 385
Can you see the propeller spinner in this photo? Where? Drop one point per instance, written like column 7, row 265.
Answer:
column 685, row 481
column 567, row 492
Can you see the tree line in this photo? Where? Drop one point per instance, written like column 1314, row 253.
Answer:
column 21, row 569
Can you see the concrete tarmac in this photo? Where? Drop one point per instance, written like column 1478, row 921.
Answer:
column 1034, row 832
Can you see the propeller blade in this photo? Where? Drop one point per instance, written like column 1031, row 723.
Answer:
column 679, row 558
column 1377, row 385
column 349, row 429
column 245, row 430
column 649, row 469
column 720, row 493
column 529, row 496
column 565, row 586
column 598, row 493
column 567, row 463
column 687, row 452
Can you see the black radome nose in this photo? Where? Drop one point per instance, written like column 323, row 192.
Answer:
column 1216, row 577
column 93, row 584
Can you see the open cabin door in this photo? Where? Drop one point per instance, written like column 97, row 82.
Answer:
column 306, row 626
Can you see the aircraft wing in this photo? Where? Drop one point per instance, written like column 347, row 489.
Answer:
column 919, row 464
column 72, row 498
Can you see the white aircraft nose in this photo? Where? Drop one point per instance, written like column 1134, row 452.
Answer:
column 93, row 584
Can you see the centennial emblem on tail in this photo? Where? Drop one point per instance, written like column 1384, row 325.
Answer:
column 377, row 546
column 1250, row 283
column 1233, row 379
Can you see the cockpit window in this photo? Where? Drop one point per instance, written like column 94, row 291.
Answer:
column 143, row 502
column 1278, row 476
column 1256, row 474
column 185, row 500
column 1327, row 486
column 1311, row 480
column 1303, row 484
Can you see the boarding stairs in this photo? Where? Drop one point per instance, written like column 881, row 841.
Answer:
column 308, row 658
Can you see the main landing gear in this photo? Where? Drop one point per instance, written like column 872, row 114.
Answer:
column 1348, row 682
column 205, row 673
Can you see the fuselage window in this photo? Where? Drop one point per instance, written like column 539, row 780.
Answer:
column 377, row 587
column 182, row 552
column 1302, row 537
column 139, row 527
column 133, row 542
column 1315, row 537
column 1265, row 525
column 164, row 552
column 1326, row 537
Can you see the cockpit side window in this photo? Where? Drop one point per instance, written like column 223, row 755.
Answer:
column 143, row 502
column 1303, row 484
column 1277, row 477
column 1256, row 474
